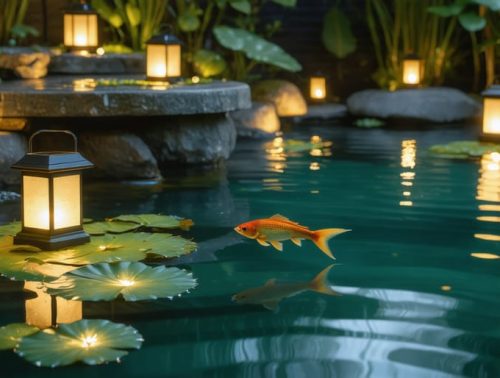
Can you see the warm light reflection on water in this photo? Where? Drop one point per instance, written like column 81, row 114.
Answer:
column 488, row 189
column 408, row 161
column 485, row 255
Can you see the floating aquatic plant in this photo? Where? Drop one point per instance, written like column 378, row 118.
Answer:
column 369, row 123
column 11, row 334
column 157, row 221
column 10, row 229
column 90, row 341
column 133, row 281
column 464, row 149
column 107, row 227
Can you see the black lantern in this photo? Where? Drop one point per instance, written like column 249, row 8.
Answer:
column 490, row 130
column 163, row 57
column 413, row 70
column 52, row 197
column 81, row 29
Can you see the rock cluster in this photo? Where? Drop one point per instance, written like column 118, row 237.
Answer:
column 25, row 63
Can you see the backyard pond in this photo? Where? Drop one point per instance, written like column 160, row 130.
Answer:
column 417, row 278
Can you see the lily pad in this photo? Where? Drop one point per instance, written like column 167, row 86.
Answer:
column 90, row 341
column 369, row 123
column 101, row 228
column 10, row 229
column 157, row 221
column 11, row 334
column 132, row 280
column 464, row 149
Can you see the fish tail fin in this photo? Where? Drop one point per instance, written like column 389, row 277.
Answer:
column 320, row 283
column 321, row 238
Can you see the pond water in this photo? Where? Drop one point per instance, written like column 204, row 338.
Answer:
column 419, row 286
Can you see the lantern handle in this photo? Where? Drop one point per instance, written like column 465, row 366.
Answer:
column 67, row 132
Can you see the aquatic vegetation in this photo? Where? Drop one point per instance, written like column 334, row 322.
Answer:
column 274, row 230
column 11, row 334
column 156, row 221
column 132, row 280
column 272, row 293
column 464, row 149
column 92, row 342
column 109, row 227
column 369, row 123
column 10, row 229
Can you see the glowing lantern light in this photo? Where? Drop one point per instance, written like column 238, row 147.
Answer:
column 81, row 29
column 51, row 197
column 491, row 116
column 163, row 57
column 412, row 70
column 317, row 88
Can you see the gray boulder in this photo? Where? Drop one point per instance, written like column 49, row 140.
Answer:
column 259, row 121
column 119, row 154
column 285, row 96
column 201, row 139
column 12, row 149
column 426, row 104
column 9, row 197
column 95, row 64
column 25, row 63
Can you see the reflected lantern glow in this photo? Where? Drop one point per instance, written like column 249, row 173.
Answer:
column 408, row 161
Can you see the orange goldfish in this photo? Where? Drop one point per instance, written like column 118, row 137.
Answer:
column 278, row 228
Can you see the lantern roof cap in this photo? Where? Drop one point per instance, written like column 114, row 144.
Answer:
column 82, row 7
column 53, row 161
column 493, row 91
column 412, row 56
column 164, row 39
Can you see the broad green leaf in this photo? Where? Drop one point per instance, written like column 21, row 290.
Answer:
column 188, row 22
column 132, row 280
column 101, row 228
column 133, row 14
column 115, row 20
column 255, row 47
column 10, row 229
column 369, row 123
column 11, row 334
column 285, row 3
column 337, row 34
column 102, row 7
column 447, row 10
column 494, row 5
column 208, row 63
column 242, row 6
column 22, row 31
column 472, row 21
column 13, row 264
column 90, row 341
column 157, row 221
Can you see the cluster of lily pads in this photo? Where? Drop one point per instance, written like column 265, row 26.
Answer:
column 93, row 83
column 107, row 268
column 464, row 149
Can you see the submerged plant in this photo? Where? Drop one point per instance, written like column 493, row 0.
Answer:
column 132, row 280
column 92, row 342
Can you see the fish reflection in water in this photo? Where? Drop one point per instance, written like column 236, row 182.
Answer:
column 272, row 293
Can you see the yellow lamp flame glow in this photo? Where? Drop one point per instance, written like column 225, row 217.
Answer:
column 491, row 117
column 317, row 88
column 89, row 341
column 126, row 282
column 412, row 71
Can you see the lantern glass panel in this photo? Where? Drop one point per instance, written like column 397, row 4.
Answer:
column 157, row 61
column 318, row 88
column 68, row 30
column 80, row 30
column 491, row 120
column 412, row 71
column 173, row 60
column 67, row 201
column 36, row 202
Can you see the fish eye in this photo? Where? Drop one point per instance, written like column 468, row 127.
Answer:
column 244, row 228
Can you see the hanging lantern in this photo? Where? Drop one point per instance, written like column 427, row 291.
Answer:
column 491, row 114
column 163, row 57
column 52, row 197
column 317, row 88
column 81, row 29
column 413, row 68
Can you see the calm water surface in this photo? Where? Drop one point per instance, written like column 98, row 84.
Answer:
column 419, row 298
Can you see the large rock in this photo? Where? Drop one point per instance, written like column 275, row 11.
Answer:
column 426, row 104
column 259, row 121
column 326, row 111
column 12, row 149
column 9, row 197
column 285, row 96
column 95, row 64
column 201, row 139
column 25, row 63
column 119, row 154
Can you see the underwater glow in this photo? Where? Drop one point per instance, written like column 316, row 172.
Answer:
column 446, row 288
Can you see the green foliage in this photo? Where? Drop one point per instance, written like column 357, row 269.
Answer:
column 337, row 34
column 12, row 29
column 208, row 63
column 133, row 22
column 165, row 222
column 11, row 334
column 399, row 27
column 132, row 280
column 92, row 342
column 464, row 149
column 369, row 123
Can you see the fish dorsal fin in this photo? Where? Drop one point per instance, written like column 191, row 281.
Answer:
column 283, row 218
column 270, row 282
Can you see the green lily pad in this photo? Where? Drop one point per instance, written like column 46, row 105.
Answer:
column 102, row 228
column 464, row 149
column 10, row 229
column 369, row 122
column 157, row 221
column 11, row 334
column 132, row 280
column 90, row 341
